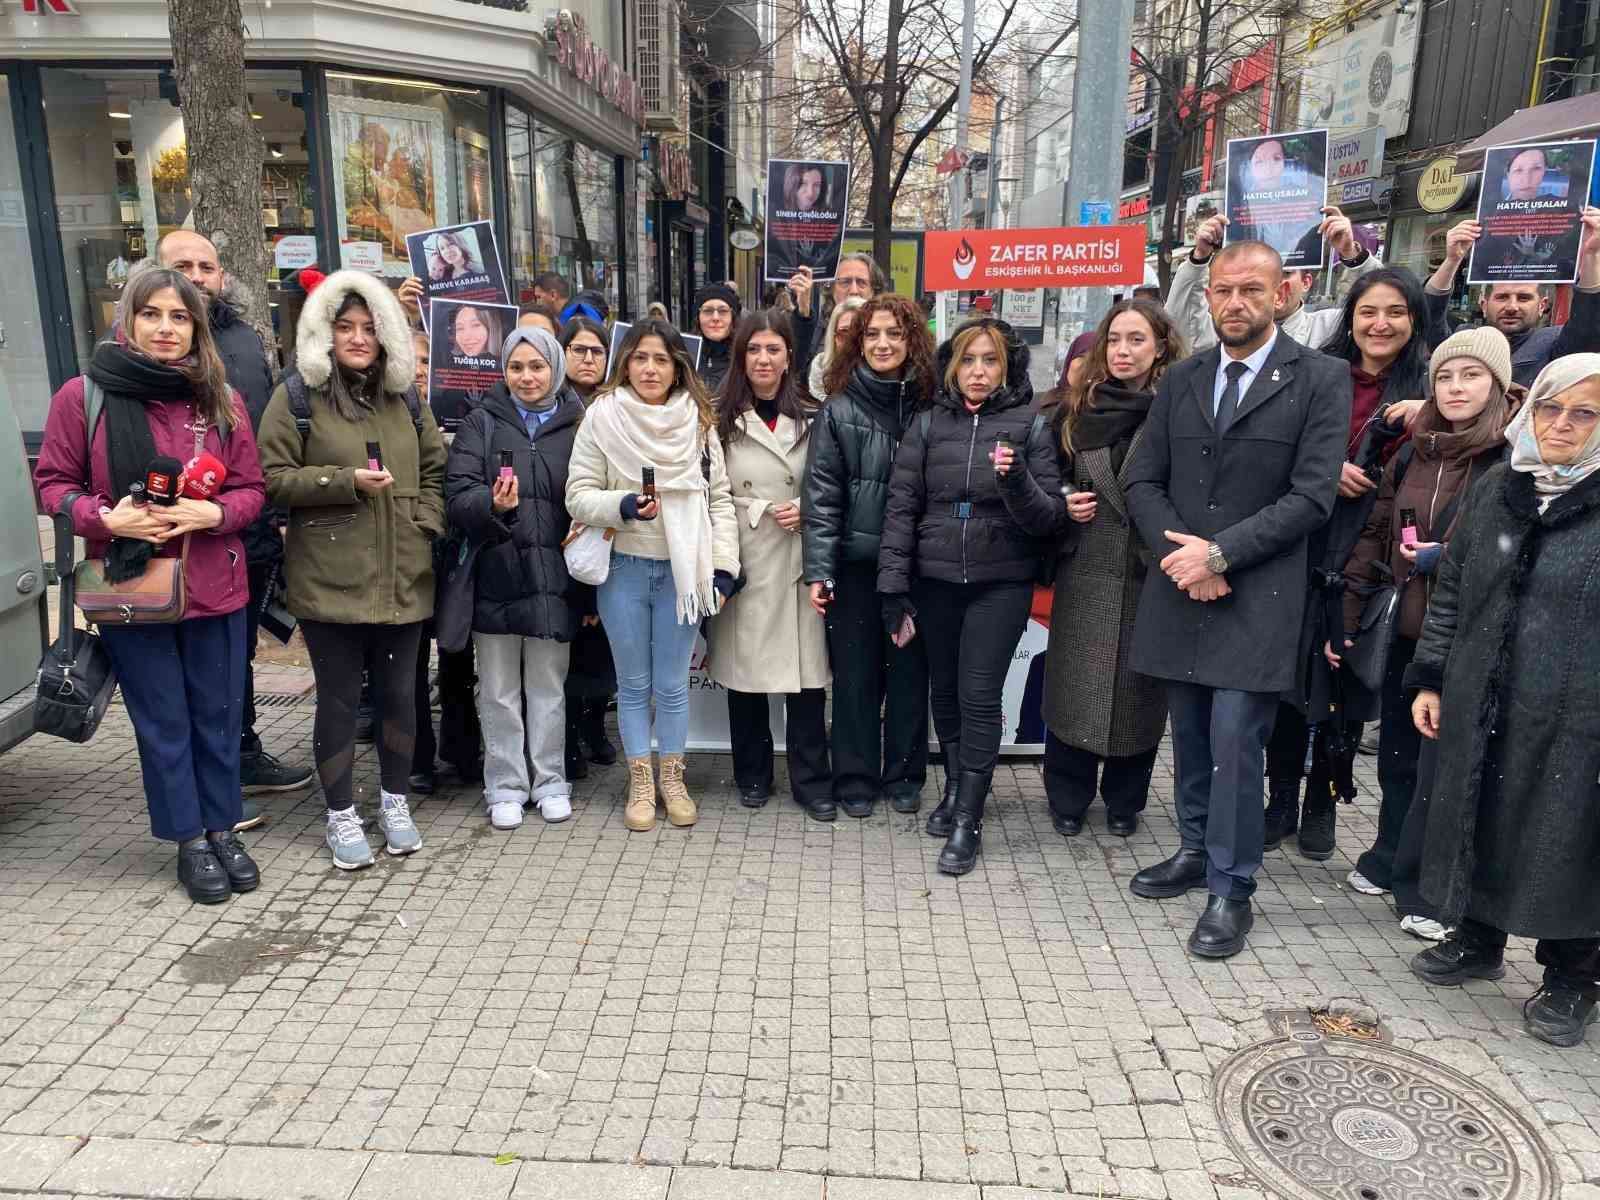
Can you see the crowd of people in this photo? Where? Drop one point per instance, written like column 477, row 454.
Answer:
column 1259, row 525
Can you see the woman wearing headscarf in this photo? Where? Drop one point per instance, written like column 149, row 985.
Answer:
column 1105, row 721
column 1507, row 676
column 524, row 616
column 840, row 322
column 716, row 311
column 1459, row 435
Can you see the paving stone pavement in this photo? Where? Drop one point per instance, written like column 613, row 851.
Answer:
column 760, row 1006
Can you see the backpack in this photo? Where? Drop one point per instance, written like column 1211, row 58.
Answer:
column 300, row 404
column 94, row 405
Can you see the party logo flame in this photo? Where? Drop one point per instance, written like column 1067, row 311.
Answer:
column 965, row 261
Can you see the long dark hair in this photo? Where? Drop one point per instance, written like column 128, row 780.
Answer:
column 1408, row 374
column 683, row 373
column 919, row 367
column 738, row 397
column 1168, row 338
column 203, row 367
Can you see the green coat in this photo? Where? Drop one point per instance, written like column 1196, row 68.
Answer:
column 353, row 559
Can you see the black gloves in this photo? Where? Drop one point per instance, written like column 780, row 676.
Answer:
column 630, row 508
column 896, row 608
column 727, row 586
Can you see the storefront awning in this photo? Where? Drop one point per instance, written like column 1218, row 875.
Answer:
column 1557, row 121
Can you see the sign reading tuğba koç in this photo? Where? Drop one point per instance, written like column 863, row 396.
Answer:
column 974, row 259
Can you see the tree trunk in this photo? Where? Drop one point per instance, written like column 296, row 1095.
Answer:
column 881, row 205
column 224, row 147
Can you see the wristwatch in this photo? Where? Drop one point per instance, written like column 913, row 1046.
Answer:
column 1216, row 561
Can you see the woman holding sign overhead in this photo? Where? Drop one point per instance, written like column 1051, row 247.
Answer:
column 647, row 465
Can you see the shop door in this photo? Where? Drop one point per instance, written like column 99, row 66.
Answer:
column 683, row 276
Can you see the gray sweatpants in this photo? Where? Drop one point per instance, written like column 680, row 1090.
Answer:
column 516, row 673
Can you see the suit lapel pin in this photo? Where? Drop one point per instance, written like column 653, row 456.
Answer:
column 1274, row 374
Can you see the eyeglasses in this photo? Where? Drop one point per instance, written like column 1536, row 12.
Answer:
column 715, row 310
column 854, row 286
column 586, row 351
column 1549, row 412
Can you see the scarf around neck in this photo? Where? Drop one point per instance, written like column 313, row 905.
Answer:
column 1552, row 480
column 634, row 435
column 1112, row 416
column 131, row 382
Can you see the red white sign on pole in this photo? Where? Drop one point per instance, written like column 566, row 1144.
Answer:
column 953, row 159
column 36, row 7
column 979, row 259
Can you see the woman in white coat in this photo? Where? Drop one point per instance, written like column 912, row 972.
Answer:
column 768, row 638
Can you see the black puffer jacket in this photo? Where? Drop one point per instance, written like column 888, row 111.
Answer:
column 714, row 362
column 522, row 582
column 853, row 444
column 950, row 516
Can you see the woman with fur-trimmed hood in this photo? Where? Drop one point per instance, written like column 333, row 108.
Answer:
column 360, row 471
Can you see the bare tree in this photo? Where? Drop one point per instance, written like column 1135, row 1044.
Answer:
column 224, row 148
column 1194, row 53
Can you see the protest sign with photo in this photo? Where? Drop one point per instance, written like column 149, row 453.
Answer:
column 691, row 343
column 1277, row 187
column 458, row 262
column 1531, row 210
column 464, row 355
column 806, row 204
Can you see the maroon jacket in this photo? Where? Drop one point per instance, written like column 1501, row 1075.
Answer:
column 215, row 575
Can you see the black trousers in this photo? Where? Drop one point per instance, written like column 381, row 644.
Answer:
column 338, row 653
column 972, row 631
column 258, row 574
column 1286, row 754
column 1405, row 876
column 1569, row 962
column 459, row 742
column 1070, row 779
column 1218, row 736
column 1399, row 746
column 880, row 696
column 805, row 740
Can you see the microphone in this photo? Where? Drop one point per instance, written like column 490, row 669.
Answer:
column 203, row 476
column 163, row 480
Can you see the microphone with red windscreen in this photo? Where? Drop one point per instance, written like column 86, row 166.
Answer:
column 203, row 476
column 163, row 480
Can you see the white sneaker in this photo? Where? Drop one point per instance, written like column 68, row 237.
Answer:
column 348, row 840
column 505, row 814
column 555, row 808
column 1425, row 928
column 1360, row 883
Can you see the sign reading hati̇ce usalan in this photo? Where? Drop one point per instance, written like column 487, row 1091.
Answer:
column 976, row 259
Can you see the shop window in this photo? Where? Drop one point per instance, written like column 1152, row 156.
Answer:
column 521, row 181
column 120, row 161
column 408, row 155
column 575, row 213
column 24, row 370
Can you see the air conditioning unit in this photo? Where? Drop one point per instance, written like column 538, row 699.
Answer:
column 658, row 65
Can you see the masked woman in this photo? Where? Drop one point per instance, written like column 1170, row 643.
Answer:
column 162, row 391
column 1507, row 679
column 768, row 638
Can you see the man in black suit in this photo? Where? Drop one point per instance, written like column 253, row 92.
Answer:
column 1239, row 465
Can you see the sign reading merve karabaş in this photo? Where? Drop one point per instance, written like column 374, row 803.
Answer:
column 806, row 204
column 464, row 339
column 1531, row 210
column 1277, row 187
column 458, row 262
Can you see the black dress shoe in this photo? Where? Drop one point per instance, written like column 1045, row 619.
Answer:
column 858, row 806
column 202, row 875
column 820, row 809
column 243, row 875
column 941, row 818
column 754, row 797
column 1183, row 872
column 1066, row 826
column 1122, row 826
column 905, row 802
column 960, row 853
column 423, row 783
column 1458, row 959
column 1558, row 1014
column 1222, row 928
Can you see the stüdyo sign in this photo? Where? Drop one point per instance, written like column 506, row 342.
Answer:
column 577, row 53
column 979, row 259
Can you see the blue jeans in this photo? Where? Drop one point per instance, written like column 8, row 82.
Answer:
column 639, row 611
column 183, row 685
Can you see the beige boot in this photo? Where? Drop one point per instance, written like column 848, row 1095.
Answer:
column 680, row 805
column 640, row 812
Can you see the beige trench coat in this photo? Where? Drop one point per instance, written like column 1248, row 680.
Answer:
column 768, row 638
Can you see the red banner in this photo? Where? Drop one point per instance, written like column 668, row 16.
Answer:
column 969, row 260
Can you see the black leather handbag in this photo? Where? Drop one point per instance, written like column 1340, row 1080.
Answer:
column 1368, row 659
column 76, row 679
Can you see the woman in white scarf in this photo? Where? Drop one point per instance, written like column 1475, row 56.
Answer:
column 675, row 553
column 1555, row 437
column 830, row 344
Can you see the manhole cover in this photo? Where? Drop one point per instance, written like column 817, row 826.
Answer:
column 1342, row 1119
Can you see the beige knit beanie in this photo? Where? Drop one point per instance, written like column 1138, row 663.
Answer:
column 1486, row 344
